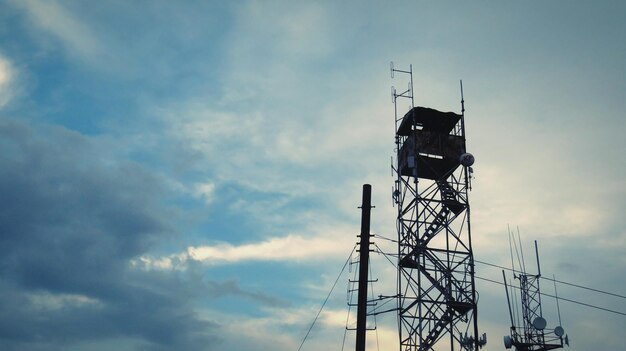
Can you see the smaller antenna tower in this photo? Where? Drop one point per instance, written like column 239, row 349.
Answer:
column 532, row 334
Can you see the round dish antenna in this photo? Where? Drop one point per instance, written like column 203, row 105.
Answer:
column 540, row 323
column 467, row 159
column 508, row 342
column 559, row 331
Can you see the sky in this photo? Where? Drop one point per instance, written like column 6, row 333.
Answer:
column 186, row 175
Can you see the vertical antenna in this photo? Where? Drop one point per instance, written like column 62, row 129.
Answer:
column 519, row 260
column 411, row 90
column 462, row 99
column 462, row 111
column 508, row 228
column 508, row 300
column 556, row 297
column 521, row 249
column 537, row 254
column 516, row 308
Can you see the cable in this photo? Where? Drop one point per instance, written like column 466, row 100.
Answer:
column 327, row 297
column 558, row 309
column 385, row 238
column 380, row 251
column 560, row 298
column 372, row 292
column 349, row 301
column 587, row 288
column 558, row 281
column 554, row 280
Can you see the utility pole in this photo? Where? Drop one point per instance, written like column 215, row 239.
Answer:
column 364, row 251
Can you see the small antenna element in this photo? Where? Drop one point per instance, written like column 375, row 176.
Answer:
column 462, row 99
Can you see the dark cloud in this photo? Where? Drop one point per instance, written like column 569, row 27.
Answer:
column 71, row 219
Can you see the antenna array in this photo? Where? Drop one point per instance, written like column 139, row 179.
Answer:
column 531, row 334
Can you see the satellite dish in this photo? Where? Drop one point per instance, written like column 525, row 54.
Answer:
column 539, row 323
column 508, row 342
column 467, row 159
column 559, row 331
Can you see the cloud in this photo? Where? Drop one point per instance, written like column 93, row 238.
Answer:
column 72, row 218
column 303, row 31
column 129, row 42
column 284, row 109
column 205, row 191
column 284, row 248
column 283, row 328
column 43, row 300
column 56, row 20
column 288, row 248
column 7, row 81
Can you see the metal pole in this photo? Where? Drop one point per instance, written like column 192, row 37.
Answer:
column 538, row 266
column 364, row 249
column 508, row 300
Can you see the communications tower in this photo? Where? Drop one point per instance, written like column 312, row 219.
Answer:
column 437, row 299
column 531, row 334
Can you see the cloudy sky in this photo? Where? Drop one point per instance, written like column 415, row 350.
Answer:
column 186, row 175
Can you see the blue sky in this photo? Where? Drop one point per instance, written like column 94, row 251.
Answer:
column 186, row 175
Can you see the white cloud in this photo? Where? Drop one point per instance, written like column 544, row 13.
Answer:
column 7, row 79
column 281, row 328
column 269, row 332
column 330, row 244
column 205, row 191
column 54, row 19
column 274, row 249
column 303, row 31
column 50, row 301
column 159, row 263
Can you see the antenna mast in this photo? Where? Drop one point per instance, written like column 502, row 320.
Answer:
column 533, row 335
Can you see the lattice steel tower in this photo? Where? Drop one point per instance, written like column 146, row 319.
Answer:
column 436, row 291
column 531, row 334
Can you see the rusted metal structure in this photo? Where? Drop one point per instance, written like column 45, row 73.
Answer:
column 437, row 300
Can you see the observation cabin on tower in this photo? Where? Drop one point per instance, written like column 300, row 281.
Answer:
column 434, row 143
